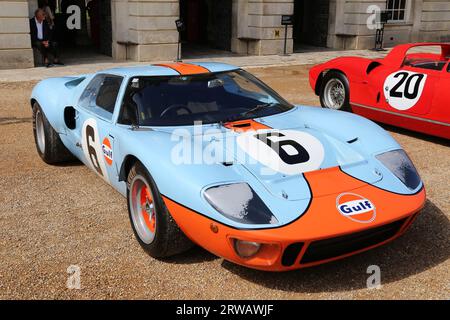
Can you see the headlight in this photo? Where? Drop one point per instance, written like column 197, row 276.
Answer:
column 239, row 203
column 399, row 163
column 246, row 249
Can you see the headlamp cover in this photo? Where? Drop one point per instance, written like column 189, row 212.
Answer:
column 239, row 203
column 398, row 162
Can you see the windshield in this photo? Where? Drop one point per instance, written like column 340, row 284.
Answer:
column 213, row 97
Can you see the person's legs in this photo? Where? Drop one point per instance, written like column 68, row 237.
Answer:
column 42, row 49
column 53, row 46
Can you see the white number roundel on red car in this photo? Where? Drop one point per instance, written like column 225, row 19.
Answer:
column 285, row 151
column 403, row 89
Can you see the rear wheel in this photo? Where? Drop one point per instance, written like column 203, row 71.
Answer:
column 48, row 143
column 152, row 224
column 335, row 92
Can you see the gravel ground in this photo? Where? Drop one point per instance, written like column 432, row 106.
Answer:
column 54, row 217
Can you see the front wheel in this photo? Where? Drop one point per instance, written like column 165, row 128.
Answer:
column 153, row 226
column 335, row 92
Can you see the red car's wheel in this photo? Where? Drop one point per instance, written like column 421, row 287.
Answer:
column 335, row 92
column 152, row 224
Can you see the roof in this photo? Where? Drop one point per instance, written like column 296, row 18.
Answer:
column 171, row 69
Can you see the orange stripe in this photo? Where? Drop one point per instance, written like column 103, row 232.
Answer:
column 322, row 221
column 184, row 68
column 245, row 125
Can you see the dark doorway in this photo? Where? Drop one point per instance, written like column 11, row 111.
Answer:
column 93, row 40
column 208, row 26
column 310, row 23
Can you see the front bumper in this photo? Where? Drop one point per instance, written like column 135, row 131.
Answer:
column 320, row 235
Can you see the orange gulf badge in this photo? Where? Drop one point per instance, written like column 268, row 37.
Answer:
column 107, row 151
column 356, row 208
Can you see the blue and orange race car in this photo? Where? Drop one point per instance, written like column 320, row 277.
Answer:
column 208, row 154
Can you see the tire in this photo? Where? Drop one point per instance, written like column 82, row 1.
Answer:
column 333, row 86
column 48, row 143
column 153, row 226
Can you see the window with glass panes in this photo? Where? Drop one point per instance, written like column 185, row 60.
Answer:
column 397, row 8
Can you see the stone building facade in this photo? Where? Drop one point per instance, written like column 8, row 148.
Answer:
column 144, row 30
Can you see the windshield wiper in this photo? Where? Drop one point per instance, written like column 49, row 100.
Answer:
column 243, row 115
column 257, row 108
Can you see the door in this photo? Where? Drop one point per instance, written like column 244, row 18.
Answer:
column 440, row 109
column 408, row 90
column 94, row 134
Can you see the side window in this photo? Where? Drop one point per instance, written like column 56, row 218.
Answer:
column 101, row 94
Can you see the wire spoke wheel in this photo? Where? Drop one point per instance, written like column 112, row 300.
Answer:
column 334, row 94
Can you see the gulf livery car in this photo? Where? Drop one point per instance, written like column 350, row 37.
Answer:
column 208, row 154
column 405, row 89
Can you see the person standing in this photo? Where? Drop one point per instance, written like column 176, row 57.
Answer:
column 49, row 16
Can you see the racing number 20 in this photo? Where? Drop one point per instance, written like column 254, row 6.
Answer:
column 300, row 156
column 405, row 76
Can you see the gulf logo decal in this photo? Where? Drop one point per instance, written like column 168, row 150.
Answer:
column 107, row 151
column 356, row 207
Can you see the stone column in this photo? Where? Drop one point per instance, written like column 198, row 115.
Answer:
column 257, row 28
column 15, row 43
column 152, row 32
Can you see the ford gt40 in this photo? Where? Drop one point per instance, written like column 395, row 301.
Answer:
column 207, row 154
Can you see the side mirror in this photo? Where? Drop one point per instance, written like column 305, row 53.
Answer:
column 70, row 117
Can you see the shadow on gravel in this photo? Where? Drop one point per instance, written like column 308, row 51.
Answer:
column 425, row 245
column 194, row 255
column 13, row 120
column 417, row 135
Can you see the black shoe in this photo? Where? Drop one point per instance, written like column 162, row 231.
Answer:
column 49, row 65
column 59, row 63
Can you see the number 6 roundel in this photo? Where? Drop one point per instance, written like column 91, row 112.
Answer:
column 92, row 148
column 285, row 151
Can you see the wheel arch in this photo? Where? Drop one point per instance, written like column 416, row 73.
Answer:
column 127, row 163
column 322, row 76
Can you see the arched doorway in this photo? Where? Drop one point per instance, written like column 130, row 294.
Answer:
column 311, row 18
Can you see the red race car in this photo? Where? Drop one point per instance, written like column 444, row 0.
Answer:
column 405, row 89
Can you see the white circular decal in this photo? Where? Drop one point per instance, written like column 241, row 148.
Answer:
column 403, row 89
column 285, row 151
column 92, row 148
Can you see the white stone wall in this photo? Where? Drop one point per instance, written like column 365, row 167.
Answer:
column 434, row 21
column 263, row 23
column 15, row 44
column 149, row 28
column 426, row 20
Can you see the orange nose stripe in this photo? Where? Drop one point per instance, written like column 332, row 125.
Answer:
column 245, row 125
column 184, row 68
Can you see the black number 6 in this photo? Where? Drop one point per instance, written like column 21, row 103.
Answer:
column 90, row 133
column 301, row 156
